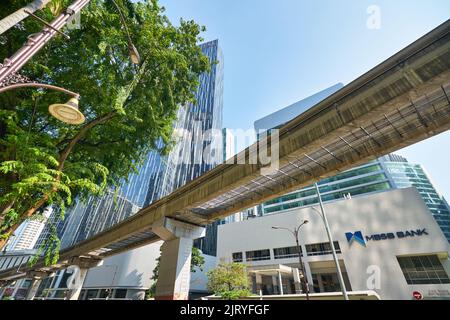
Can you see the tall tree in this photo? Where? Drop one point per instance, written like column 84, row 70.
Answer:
column 129, row 108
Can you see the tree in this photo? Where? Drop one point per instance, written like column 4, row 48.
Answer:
column 197, row 261
column 230, row 281
column 129, row 109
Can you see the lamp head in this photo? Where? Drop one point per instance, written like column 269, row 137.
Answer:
column 67, row 112
column 134, row 54
column 306, row 221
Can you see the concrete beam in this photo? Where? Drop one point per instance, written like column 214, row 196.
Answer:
column 85, row 262
column 169, row 229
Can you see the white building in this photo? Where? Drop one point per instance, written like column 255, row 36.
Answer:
column 123, row 276
column 27, row 234
column 387, row 242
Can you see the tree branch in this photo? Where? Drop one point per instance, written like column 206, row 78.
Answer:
column 65, row 153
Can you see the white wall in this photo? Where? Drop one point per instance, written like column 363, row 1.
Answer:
column 131, row 269
column 391, row 211
column 134, row 269
column 199, row 278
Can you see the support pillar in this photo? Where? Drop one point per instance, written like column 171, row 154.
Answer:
column 275, row 285
column 280, row 285
column 297, row 280
column 309, row 277
column 175, row 264
column 34, row 287
column 258, row 280
column 74, row 293
column 81, row 266
column 36, row 279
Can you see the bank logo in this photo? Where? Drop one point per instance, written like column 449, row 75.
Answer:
column 362, row 240
column 355, row 236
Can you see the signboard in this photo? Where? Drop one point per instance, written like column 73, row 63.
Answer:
column 417, row 295
column 358, row 236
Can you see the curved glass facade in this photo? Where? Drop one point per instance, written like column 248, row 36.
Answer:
column 404, row 175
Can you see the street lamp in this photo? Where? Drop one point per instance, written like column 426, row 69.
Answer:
column 330, row 239
column 294, row 232
column 10, row 78
column 66, row 112
column 132, row 51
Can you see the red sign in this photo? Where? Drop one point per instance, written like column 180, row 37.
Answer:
column 417, row 295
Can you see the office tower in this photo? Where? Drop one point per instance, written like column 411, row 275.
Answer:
column 403, row 174
column 198, row 132
column 27, row 234
column 279, row 118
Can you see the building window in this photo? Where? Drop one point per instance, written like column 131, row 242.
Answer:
column 286, row 252
column 258, row 255
column 105, row 293
column 318, row 249
column 237, row 257
column 65, row 277
column 91, row 294
column 423, row 270
column 26, row 283
column 120, row 294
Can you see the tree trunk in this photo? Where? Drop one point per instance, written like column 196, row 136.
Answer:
column 14, row 18
column 62, row 159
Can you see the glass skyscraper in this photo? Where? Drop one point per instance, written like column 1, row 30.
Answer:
column 198, row 149
column 403, row 174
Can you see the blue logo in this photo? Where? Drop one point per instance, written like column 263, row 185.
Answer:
column 358, row 236
column 355, row 236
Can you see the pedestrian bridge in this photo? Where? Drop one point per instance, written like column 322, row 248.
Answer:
column 403, row 100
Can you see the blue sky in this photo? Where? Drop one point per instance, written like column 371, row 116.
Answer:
column 280, row 51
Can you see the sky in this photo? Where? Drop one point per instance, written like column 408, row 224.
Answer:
column 278, row 52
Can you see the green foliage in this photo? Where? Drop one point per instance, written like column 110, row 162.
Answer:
column 49, row 248
column 197, row 262
column 129, row 109
column 229, row 281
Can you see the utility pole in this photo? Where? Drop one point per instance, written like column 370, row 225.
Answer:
column 35, row 43
column 333, row 249
column 17, row 16
column 303, row 279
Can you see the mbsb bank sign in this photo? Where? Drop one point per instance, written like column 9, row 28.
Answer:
column 362, row 240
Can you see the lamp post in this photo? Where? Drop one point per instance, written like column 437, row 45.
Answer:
column 303, row 279
column 66, row 112
column 132, row 51
column 330, row 239
column 10, row 78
